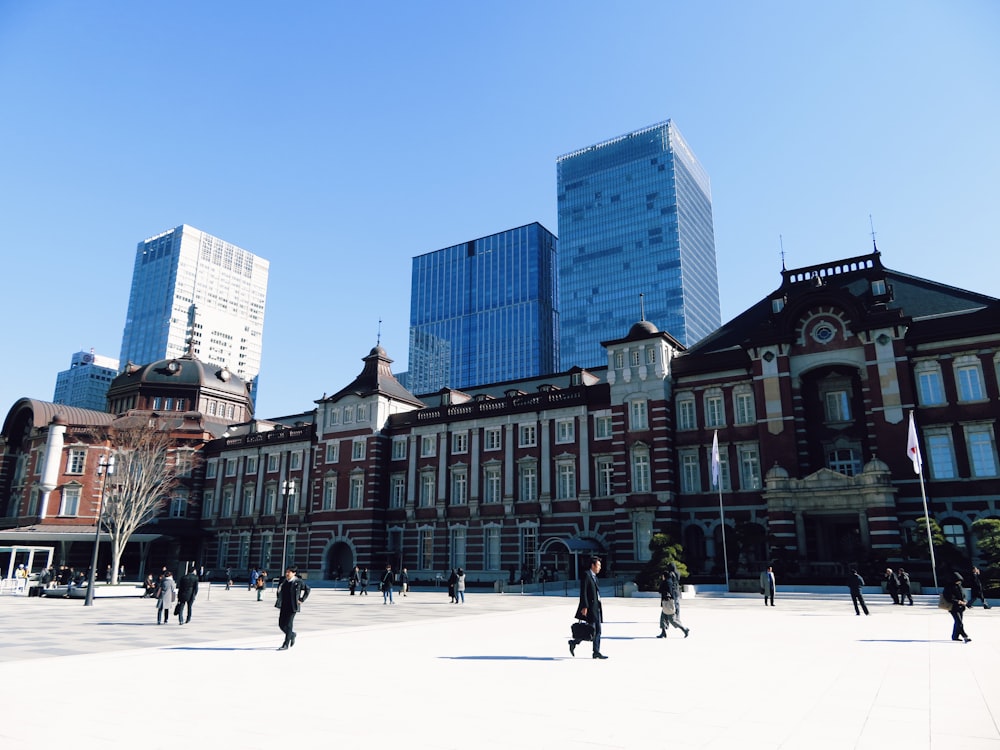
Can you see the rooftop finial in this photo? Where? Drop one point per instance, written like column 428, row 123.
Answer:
column 781, row 244
column 642, row 306
column 872, row 225
column 378, row 338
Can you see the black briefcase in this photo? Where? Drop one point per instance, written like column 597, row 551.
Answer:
column 582, row 631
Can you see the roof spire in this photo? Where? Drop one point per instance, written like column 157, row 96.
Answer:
column 872, row 225
column 781, row 244
column 642, row 306
column 378, row 337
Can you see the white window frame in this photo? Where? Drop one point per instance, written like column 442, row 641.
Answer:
column 690, row 471
column 605, row 472
column 358, row 448
column 565, row 431
column 969, row 379
column 930, row 384
column 69, row 502
column 492, row 483
column 428, row 446
column 333, row 451
column 460, row 486
column 940, row 453
column 397, row 492
column 76, row 462
column 357, row 496
column 715, row 409
column 527, row 435
column 492, row 439
column 981, row 446
column 749, row 457
column 527, row 481
column 399, row 448
column 638, row 414
column 744, row 411
column 565, row 479
column 330, row 492
column 603, row 427
column 687, row 412
column 459, row 442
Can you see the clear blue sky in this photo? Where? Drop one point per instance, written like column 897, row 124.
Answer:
column 340, row 139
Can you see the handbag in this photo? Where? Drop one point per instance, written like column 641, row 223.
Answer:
column 178, row 608
column 669, row 606
column 943, row 602
column 582, row 631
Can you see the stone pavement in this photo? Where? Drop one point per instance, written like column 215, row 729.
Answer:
column 496, row 673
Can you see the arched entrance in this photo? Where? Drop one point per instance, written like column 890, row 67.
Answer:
column 339, row 561
column 567, row 558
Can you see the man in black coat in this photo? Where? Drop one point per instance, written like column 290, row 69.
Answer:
column 892, row 585
column 291, row 593
column 855, row 582
column 187, row 590
column 589, row 608
column 977, row 592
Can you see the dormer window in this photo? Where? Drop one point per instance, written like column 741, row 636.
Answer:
column 878, row 287
column 777, row 304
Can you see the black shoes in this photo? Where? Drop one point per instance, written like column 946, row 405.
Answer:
column 600, row 656
column 687, row 632
column 967, row 639
column 292, row 641
column 283, row 647
column 662, row 635
column 572, row 648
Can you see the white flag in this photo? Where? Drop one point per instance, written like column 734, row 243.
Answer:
column 913, row 446
column 715, row 460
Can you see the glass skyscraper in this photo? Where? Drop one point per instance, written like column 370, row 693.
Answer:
column 85, row 383
column 635, row 217
column 484, row 311
column 187, row 284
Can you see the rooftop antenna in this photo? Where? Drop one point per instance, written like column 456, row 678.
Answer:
column 378, row 338
column 642, row 307
column 781, row 244
column 872, row 225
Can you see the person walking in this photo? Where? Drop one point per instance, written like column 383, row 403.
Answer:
column 976, row 589
column 252, row 582
column 855, row 583
column 955, row 594
column 261, row 583
column 452, row 580
column 352, row 582
column 904, row 586
column 291, row 593
column 459, row 586
column 589, row 607
column 404, row 582
column 670, row 597
column 187, row 590
column 767, row 585
column 165, row 598
column 386, row 585
column 891, row 585
column 364, row 582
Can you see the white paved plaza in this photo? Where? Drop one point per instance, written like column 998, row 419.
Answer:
column 496, row 673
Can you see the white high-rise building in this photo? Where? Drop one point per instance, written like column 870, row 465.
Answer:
column 195, row 292
column 85, row 383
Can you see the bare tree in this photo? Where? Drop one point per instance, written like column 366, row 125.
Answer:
column 144, row 475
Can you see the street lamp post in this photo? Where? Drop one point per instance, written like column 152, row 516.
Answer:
column 287, row 488
column 105, row 467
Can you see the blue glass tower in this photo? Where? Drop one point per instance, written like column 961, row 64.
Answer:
column 484, row 311
column 635, row 216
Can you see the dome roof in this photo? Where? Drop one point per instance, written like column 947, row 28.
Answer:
column 876, row 465
column 186, row 371
column 642, row 329
column 777, row 472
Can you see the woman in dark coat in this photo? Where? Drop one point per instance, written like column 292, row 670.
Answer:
column 955, row 594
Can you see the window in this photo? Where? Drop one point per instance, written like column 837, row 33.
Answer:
column 640, row 469
column 178, row 506
column 272, row 462
column 70, row 505
column 565, row 431
column 333, row 452
column 602, row 427
column 565, row 480
column 528, row 482
column 227, row 503
column 635, row 356
column 492, row 438
column 270, row 500
column 651, row 356
column 743, row 408
column 528, row 436
column 231, row 466
column 844, row 460
column 954, row 533
column 425, row 548
column 251, row 465
column 77, row 460
column 266, row 545
column 358, row 450
column 724, row 482
column 491, row 548
column 211, row 469
column 428, row 444
column 969, row 379
column 329, row 493
column 491, row 484
column 291, row 549
column 333, row 417
column 643, row 534
column 940, row 454
column 982, row 454
column 686, row 416
column 295, row 459
column 207, row 503
column 348, row 414
column 605, row 477
column 362, row 412
column 749, row 467
column 357, row 491
column 690, row 472
column 460, row 442
column 837, row 406
column 223, row 559
column 247, row 507
column 930, row 390
column 457, row 547
column 459, row 487
column 398, row 448
column 619, row 360
column 715, row 415
column 637, row 414
column 398, row 492
column 427, row 489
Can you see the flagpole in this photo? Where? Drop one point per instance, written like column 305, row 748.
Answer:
column 717, row 480
column 913, row 452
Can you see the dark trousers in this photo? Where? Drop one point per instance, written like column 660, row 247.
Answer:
column 980, row 597
column 768, row 595
column 286, row 621
column 894, row 595
column 188, row 604
column 958, row 629
column 904, row 594
column 857, row 599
